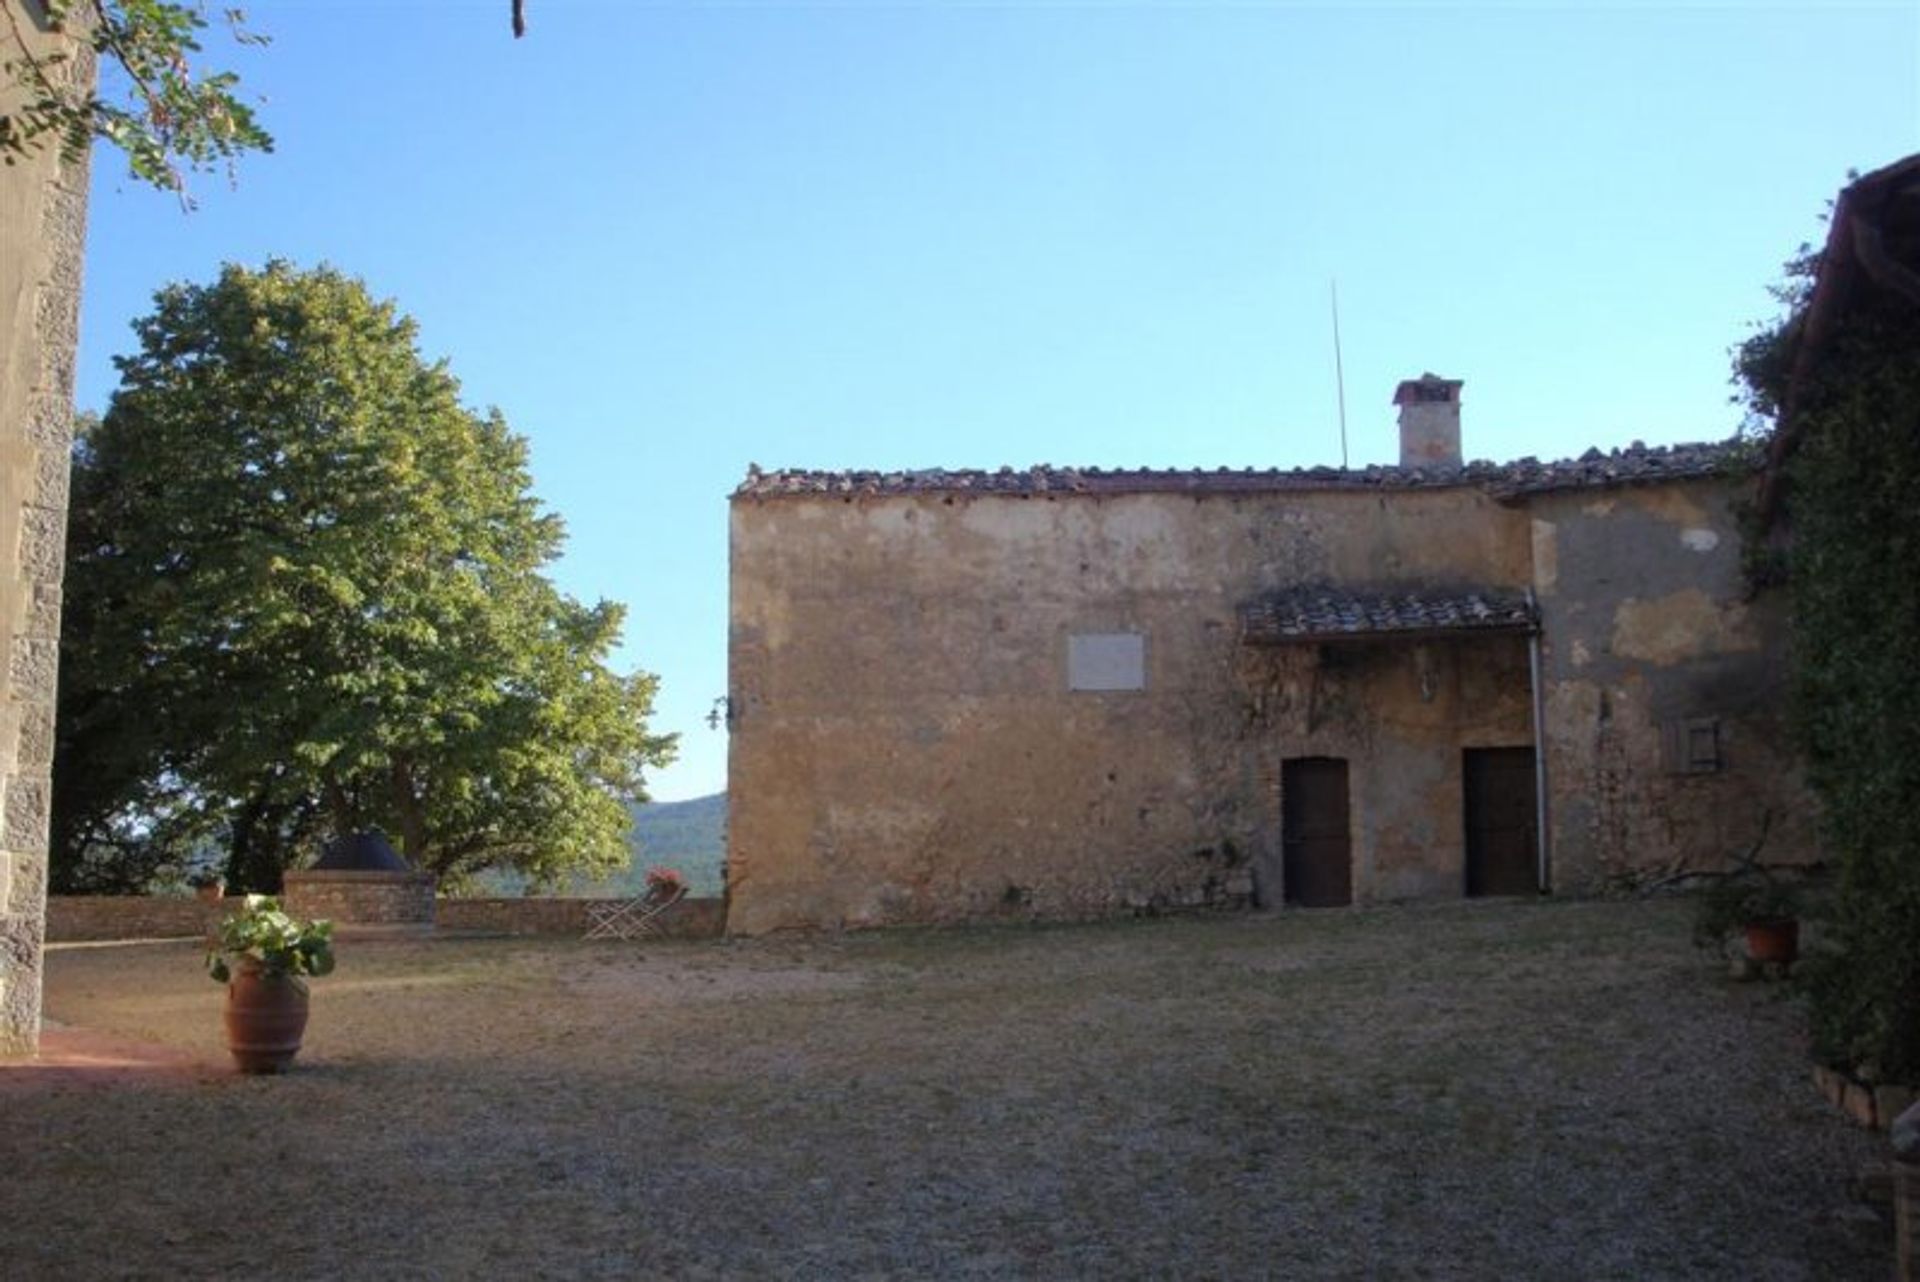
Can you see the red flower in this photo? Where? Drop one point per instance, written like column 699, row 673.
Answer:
column 665, row 882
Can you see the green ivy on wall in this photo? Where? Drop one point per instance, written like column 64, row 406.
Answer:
column 1852, row 558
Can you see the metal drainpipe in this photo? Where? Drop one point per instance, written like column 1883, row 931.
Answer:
column 1544, row 841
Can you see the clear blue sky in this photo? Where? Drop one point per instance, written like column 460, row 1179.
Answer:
column 670, row 239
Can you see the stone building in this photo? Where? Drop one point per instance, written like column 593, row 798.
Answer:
column 1057, row 693
column 42, row 239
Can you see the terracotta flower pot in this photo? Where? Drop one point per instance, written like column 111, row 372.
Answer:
column 1774, row 941
column 266, row 1016
column 213, row 892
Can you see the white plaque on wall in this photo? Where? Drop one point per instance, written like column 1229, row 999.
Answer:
column 1106, row 661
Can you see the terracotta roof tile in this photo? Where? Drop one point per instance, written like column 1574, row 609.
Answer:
column 1327, row 614
column 1594, row 469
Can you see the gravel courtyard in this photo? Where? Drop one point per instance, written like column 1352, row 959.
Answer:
column 1486, row 1090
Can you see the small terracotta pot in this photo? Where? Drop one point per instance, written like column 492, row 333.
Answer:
column 1774, row 941
column 213, row 892
column 266, row 1017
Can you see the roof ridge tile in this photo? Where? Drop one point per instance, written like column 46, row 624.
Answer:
column 1527, row 475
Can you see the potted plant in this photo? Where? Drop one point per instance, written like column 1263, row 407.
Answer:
column 664, row 885
column 209, row 887
column 1766, row 909
column 264, row 957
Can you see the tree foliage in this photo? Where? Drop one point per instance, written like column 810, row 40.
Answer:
column 306, row 595
column 1852, row 558
column 168, row 112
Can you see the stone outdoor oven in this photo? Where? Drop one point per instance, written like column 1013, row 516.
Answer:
column 361, row 883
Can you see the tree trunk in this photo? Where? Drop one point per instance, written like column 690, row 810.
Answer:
column 412, row 813
column 339, row 806
column 256, row 861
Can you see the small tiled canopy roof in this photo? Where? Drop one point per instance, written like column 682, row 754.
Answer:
column 1331, row 614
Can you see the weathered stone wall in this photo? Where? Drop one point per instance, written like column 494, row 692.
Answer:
column 42, row 238
column 79, row 918
column 1402, row 716
column 1647, row 635
column 361, row 898
column 905, row 747
column 83, row 918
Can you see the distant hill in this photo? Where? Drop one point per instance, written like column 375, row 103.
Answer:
column 688, row 835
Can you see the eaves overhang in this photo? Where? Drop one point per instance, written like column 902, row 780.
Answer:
column 1319, row 615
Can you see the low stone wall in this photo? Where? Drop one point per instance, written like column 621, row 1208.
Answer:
column 1873, row 1104
column 688, row 919
column 81, row 918
column 362, row 898
column 74, row 918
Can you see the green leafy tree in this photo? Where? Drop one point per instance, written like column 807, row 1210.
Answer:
column 307, row 595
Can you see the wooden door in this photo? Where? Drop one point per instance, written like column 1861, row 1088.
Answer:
column 1314, row 837
column 1503, row 839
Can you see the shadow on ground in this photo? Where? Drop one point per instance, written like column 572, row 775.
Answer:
column 1510, row 1090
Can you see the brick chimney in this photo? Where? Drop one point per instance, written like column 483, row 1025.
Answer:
column 1429, row 421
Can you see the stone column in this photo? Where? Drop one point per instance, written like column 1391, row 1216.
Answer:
column 43, row 203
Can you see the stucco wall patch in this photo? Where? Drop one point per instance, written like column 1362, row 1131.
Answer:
column 1546, row 559
column 1661, row 631
column 1682, row 625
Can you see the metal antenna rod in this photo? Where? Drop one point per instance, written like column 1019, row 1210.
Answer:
column 1339, row 372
